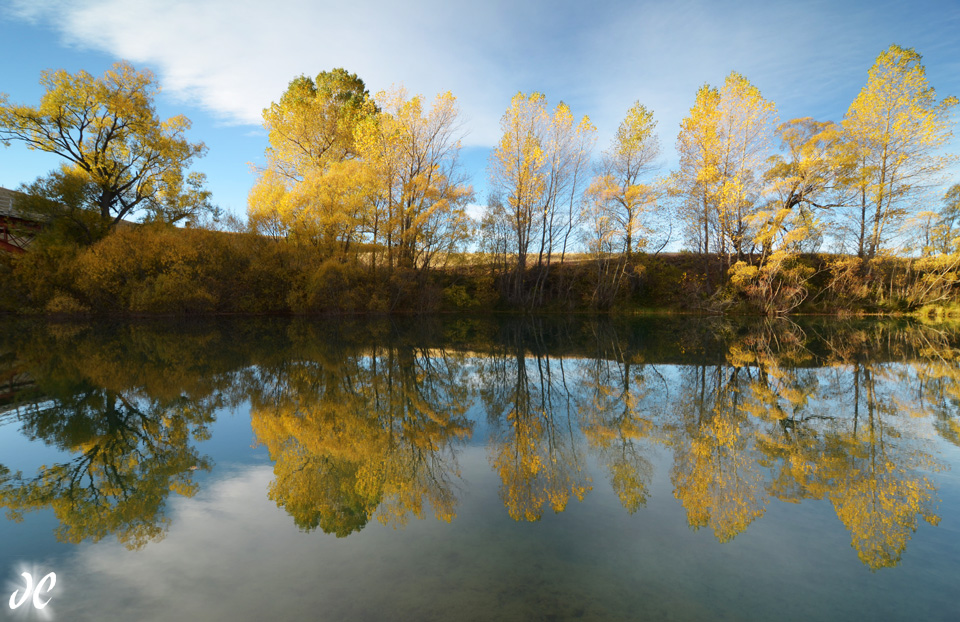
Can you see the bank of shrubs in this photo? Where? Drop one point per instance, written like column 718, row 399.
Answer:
column 157, row 269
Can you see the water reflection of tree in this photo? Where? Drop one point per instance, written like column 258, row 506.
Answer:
column 715, row 474
column 620, row 401
column 933, row 378
column 534, row 443
column 130, row 434
column 370, row 425
column 840, row 433
column 355, row 434
column 792, row 417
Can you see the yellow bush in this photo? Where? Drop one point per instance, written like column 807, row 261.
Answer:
column 41, row 274
column 335, row 286
column 62, row 303
column 775, row 287
column 159, row 269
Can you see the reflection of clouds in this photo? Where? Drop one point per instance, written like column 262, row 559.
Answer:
column 228, row 556
column 850, row 446
column 231, row 554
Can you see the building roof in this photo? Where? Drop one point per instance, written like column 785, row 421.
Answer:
column 8, row 206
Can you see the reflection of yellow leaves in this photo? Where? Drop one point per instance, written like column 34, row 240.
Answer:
column 865, row 468
column 628, row 485
column 615, row 419
column 716, row 480
column 129, row 455
column 355, row 437
column 533, row 471
column 740, row 357
column 879, row 502
column 725, row 431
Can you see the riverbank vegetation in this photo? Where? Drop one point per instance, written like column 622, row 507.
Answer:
column 161, row 269
column 362, row 206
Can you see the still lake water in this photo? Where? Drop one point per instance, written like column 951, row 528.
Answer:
column 468, row 469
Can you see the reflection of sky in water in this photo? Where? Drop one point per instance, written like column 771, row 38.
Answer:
column 231, row 553
column 15, row 454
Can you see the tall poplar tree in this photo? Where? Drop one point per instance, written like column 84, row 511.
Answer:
column 538, row 167
column 696, row 181
column 620, row 186
column 420, row 190
column 723, row 144
column 893, row 132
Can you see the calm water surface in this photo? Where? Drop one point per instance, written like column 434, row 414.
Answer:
column 466, row 469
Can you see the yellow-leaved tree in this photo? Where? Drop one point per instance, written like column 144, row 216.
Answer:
column 723, row 144
column 347, row 173
column 419, row 190
column 539, row 168
column 697, row 179
column 621, row 187
column 516, row 166
column 893, row 132
column 801, row 181
column 313, row 189
column 114, row 143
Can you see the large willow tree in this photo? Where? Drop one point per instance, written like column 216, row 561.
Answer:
column 344, row 168
column 312, row 189
column 115, row 147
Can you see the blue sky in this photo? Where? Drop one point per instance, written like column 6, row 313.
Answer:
column 220, row 62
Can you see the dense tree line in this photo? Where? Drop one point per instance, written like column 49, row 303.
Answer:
column 364, row 190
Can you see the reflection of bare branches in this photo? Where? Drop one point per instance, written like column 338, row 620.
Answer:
column 535, row 447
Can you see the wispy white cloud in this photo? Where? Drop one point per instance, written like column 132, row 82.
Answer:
column 475, row 211
column 232, row 57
